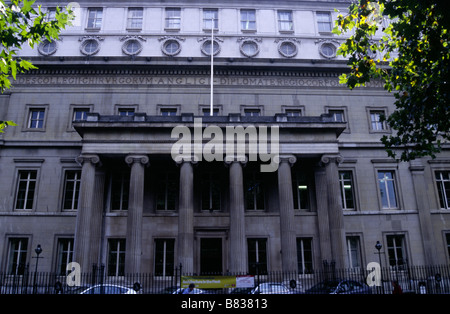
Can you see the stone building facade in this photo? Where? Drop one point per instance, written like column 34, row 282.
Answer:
column 89, row 172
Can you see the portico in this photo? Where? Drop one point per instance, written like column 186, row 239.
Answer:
column 145, row 146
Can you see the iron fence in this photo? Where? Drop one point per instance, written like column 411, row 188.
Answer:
column 412, row 279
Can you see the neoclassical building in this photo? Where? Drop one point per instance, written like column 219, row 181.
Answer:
column 90, row 172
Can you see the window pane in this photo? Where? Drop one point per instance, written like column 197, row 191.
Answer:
column 210, row 16
column 387, row 189
column 120, row 187
column 17, row 256
column 443, row 186
column 285, row 22
column 257, row 256
column 347, row 193
column 248, row 20
column 304, row 255
column 116, row 257
column 25, row 189
column 71, row 190
column 164, row 257
column 135, row 17
column 65, row 254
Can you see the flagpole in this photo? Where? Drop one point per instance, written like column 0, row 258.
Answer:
column 212, row 66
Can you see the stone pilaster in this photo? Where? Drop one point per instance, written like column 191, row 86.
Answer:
column 133, row 252
column 423, row 208
column 238, row 255
column 286, row 201
column 186, row 214
column 86, row 210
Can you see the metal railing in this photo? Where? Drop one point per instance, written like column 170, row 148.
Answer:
column 412, row 279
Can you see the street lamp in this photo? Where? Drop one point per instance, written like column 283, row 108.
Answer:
column 378, row 246
column 38, row 251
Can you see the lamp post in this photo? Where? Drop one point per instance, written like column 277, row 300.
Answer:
column 38, row 251
column 378, row 246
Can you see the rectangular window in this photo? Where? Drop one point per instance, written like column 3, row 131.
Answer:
column 173, row 18
column 254, row 191
column 26, row 187
column 248, row 20
column 126, row 112
column 252, row 112
column 285, row 21
column 347, row 189
column 116, row 257
column 353, row 252
column 387, row 188
column 166, row 191
column 376, row 122
column 210, row 19
column 338, row 115
column 135, row 18
column 64, row 255
column 207, row 111
column 72, row 184
column 36, row 118
column 257, row 256
column 17, row 256
column 164, row 257
column 443, row 186
column 324, row 22
column 169, row 111
column 396, row 250
column 293, row 112
column 80, row 114
column 210, row 185
column 304, row 255
column 300, row 190
column 95, row 16
column 120, row 189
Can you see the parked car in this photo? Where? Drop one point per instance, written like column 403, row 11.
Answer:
column 339, row 287
column 168, row 290
column 108, row 289
column 271, row 288
column 241, row 291
column 195, row 291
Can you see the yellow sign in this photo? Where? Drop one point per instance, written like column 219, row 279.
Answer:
column 209, row 282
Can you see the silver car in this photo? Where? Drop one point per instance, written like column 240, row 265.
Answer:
column 271, row 288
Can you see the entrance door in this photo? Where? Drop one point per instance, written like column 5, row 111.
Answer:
column 210, row 255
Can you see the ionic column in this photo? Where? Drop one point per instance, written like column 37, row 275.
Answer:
column 238, row 256
column 86, row 210
column 133, row 251
column 335, row 215
column 286, row 201
column 186, row 214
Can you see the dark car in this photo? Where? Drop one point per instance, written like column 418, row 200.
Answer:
column 339, row 287
column 241, row 291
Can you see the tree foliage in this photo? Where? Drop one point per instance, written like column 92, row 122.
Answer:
column 21, row 23
column 405, row 44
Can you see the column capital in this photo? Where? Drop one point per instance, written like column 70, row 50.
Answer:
column 327, row 159
column 291, row 159
column 179, row 159
column 131, row 159
column 92, row 158
column 229, row 159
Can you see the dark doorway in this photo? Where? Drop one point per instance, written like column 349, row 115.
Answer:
column 210, row 256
